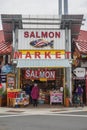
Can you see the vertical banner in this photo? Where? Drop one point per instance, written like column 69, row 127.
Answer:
column 11, row 80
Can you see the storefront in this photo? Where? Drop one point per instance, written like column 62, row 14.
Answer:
column 42, row 58
column 49, row 80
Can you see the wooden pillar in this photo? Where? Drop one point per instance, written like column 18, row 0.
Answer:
column 18, row 79
column 64, row 84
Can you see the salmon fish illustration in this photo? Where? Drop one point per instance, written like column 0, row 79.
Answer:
column 41, row 43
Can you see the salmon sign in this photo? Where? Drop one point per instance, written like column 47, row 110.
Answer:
column 37, row 74
column 41, row 39
column 42, row 34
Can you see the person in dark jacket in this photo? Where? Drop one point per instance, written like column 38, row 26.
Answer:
column 28, row 89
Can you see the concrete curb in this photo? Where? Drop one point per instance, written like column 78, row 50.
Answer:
column 39, row 110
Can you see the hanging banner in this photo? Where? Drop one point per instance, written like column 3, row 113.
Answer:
column 40, row 74
column 3, row 78
column 11, row 80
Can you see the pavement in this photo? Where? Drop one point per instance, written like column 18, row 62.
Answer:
column 40, row 110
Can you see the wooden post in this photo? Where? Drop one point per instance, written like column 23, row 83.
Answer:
column 64, row 85
column 18, row 80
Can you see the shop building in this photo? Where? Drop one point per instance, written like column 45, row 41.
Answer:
column 80, row 63
column 5, row 57
column 42, row 49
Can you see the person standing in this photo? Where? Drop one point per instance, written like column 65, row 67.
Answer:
column 79, row 92
column 35, row 94
column 28, row 89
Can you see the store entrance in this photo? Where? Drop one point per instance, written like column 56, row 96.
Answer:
column 50, row 83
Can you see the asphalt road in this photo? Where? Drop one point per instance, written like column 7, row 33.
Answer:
column 64, row 121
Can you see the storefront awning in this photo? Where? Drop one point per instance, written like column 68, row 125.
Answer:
column 82, row 46
column 81, row 42
column 25, row 63
column 5, row 48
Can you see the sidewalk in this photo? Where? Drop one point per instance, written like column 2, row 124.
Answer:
column 39, row 110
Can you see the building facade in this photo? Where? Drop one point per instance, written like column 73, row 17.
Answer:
column 42, row 49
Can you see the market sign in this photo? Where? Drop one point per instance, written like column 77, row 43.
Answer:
column 41, row 39
column 42, row 54
column 39, row 74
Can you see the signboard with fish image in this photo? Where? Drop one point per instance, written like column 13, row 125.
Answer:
column 41, row 43
column 41, row 39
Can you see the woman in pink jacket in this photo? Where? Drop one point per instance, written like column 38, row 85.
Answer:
column 35, row 94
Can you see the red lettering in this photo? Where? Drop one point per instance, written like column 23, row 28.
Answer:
column 17, row 55
column 57, row 34
column 68, row 54
column 51, row 34
column 47, row 54
column 44, row 34
column 26, row 34
column 28, row 55
column 32, row 35
column 58, row 55
column 41, row 34
column 37, row 35
column 37, row 55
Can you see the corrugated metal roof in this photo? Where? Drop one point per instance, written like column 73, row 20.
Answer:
column 82, row 47
column 1, row 36
column 81, row 42
column 25, row 63
column 5, row 48
column 82, row 36
column 72, row 22
column 8, row 23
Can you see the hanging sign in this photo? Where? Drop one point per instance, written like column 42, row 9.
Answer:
column 79, row 72
column 40, row 74
column 10, row 80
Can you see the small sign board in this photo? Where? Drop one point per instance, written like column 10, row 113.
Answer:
column 79, row 72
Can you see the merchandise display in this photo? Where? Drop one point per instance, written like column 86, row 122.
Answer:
column 44, row 97
column 56, row 97
column 16, row 97
column 50, row 96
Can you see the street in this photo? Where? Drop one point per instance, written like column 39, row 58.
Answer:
column 54, row 121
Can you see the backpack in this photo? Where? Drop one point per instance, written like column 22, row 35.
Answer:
column 79, row 90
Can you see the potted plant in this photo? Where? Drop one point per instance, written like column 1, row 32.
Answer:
column 67, row 96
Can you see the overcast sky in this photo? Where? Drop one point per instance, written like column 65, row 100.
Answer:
column 38, row 7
